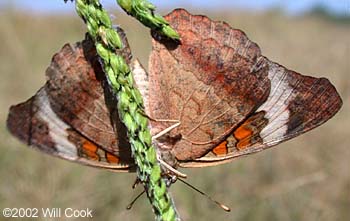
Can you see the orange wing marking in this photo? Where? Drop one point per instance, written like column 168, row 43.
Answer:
column 241, row 134
column 112, row 158
column 90, row 150
column 221, row 149
column 248, row 133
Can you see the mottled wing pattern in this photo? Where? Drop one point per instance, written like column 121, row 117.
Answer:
column 230, row 100
column 76, row 91
column 73, row 103
column 296, row 104
column 209, row 83
column 36, row 124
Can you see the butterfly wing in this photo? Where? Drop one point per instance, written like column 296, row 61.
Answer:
column 36, row 124
column 76, row 92
column 229, row 99
column 209, row 83
column 78, row 116
column 296, row 104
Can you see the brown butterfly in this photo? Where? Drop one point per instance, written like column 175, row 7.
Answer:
column 229, row 101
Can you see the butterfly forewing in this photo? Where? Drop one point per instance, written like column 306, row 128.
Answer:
column 72, row 116
column 229, row 99
column 210, row 83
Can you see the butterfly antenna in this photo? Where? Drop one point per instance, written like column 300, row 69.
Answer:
column 136, row 198
column 222, row 206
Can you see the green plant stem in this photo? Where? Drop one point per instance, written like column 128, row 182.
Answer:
column 130, row 106
column 143, row 11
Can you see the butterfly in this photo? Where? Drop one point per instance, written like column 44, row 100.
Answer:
column 228, row 99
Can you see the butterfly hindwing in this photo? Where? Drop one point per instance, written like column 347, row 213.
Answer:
column 296, row 104
column 73, row 116
column 230, row 100
column 35, row 123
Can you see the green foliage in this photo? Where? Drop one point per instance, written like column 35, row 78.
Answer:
column 130, row 103
column 143, row 11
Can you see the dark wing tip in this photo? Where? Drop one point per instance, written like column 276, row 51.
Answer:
column 18, row 121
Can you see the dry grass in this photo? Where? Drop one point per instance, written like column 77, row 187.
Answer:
column 307, row 178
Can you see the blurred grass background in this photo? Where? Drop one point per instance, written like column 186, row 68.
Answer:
column 307, row 178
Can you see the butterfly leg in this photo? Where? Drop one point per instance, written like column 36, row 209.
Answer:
column 158, row 120
column 167, row 130
column 170, row 168
column 162, row 133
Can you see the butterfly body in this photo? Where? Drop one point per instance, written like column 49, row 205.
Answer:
column 228, row 98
